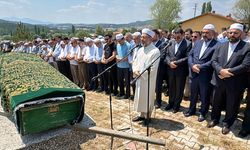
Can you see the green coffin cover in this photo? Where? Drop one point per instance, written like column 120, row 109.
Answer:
column 34, row 118
column 37, row 95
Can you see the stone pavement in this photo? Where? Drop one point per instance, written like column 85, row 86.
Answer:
column 178, row 131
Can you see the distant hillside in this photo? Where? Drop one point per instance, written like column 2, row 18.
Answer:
column 26, row 20
column 8, row 27
column 137, row 24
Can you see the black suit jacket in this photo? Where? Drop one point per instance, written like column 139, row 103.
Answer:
column 206, row 69
column 238, row 64
column 180, row 57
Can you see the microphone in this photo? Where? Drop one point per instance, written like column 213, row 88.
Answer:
column 132, row 49
column 169, row 44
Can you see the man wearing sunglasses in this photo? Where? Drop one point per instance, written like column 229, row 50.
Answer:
column 199, row 61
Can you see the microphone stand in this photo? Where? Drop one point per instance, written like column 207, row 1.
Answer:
column 110, row 96
column 149, row 70
column 109, row 80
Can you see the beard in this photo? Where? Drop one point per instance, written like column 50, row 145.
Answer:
column 234, row 39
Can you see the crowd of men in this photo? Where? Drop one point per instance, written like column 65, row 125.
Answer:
column 201, row 65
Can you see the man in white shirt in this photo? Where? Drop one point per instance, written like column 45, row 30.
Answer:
column 74, row 48
column 89, row 59
column 201, row 71
column 231, row 62
column 97, row 60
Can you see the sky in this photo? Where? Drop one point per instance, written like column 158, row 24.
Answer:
column 99, row 11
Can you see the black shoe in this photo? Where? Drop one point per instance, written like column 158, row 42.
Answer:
column 131, row 97
column 125, row 97
column 146, row 122
column 188, row 114
column 175, row 110
column 212, row 123
column 138, row 118
column 99, row 90
column 168, row 107
column 157, row 106
column 225, row 130
column 201, row 118
column 119, row 96
column 243, row 133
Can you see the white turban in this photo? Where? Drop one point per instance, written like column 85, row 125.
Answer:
column 119, row 36
column 148, row 32
column 88, row 40
column 97, row 40
column 62, row 43
column 237, row 26
column 137, row 34
column 209, row 27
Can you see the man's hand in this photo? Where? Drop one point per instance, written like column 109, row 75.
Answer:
column 136, row 74
column 224, row 73
column 196, row 68
column 172, row 65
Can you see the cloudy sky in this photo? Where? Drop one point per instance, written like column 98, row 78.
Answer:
column 98, row 11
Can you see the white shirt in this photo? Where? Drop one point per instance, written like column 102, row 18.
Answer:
column 73, row 52
column 231, row 49
column 81, row 52
column 90, row 53
column 203, row 48
column 177, row 45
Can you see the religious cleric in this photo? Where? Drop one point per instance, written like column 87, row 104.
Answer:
column 146, row 55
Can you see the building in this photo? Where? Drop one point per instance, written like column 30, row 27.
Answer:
column 198, row 22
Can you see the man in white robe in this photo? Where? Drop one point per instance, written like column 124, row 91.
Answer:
column 145, row 56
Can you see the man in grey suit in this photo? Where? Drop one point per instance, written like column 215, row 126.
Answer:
column 230, row 62
column 176, row 60
column 199, row 61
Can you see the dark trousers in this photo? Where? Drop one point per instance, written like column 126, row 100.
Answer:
column 161, row 75
column 100, row 68
column 228, row 97
column 176, row 88
column 64, row 68
column 203, row 88
column 110, row 82
column 92, row 72
column 123, row 74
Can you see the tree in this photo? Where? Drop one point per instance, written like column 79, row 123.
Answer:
column 82, row 34
column 165, row 12
column 99, row 30
column 73, row 29
column 203, row 10
column 21, row 33
column 209, row 7
column 206, row 7
column 242, row 10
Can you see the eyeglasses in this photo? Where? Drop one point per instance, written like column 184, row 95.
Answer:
column 205, row 32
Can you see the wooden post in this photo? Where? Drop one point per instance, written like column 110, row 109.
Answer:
column 120, row 134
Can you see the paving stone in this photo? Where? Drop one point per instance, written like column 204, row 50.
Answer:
column 184, row 136
column 196, row 146
column 188, row 143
